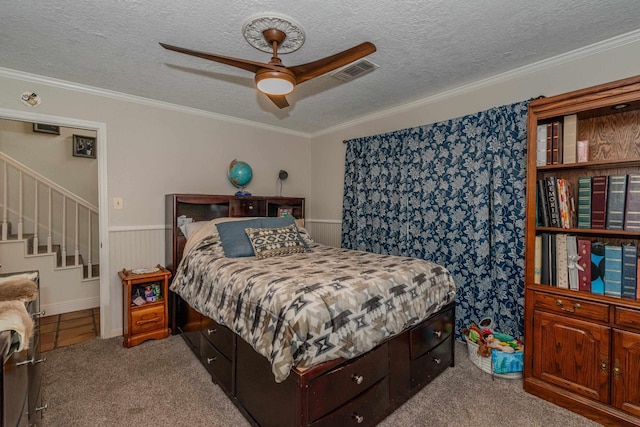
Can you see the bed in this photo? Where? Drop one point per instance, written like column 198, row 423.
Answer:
column 302, row 334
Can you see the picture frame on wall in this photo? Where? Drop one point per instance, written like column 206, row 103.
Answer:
column 285, row 211
column 44, row 128
column 84, row 146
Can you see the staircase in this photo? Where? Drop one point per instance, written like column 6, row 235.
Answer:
column 48, row 219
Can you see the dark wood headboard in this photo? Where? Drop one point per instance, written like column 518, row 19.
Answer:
column 205, row 207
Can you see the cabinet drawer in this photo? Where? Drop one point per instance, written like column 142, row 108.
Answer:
column 14, row 384
column 425, row 337
column 340, row 385
column 147, row 319
column 218, row 366
column 574, row 307
column 365, row 410
column 220, row 336
column 629, row 318
column 427, row 367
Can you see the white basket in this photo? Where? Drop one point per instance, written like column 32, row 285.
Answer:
column 485, row 363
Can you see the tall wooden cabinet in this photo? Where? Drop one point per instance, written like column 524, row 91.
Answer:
column 582, row 349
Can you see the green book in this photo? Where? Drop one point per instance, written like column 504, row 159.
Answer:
column 584, row 202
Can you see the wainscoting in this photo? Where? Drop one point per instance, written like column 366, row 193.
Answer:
column 326, row 232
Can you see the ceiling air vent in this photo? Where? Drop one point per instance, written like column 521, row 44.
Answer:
column 354, row 70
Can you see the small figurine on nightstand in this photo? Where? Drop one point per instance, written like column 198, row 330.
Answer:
column 149, row 294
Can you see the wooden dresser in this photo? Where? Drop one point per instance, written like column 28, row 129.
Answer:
column 21, row 377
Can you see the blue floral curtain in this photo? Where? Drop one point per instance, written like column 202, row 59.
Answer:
column 453, row 193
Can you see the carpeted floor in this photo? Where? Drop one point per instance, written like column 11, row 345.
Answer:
column 161, row 383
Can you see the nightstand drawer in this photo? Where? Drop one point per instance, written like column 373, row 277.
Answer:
column 574, row 307
column 147, row 319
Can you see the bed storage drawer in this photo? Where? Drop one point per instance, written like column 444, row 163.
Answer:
column 432, row 363
column 216, row 363
column 146, row 319
column 435, row 331
column 333, row 389
column 220, row 336
column 365, row 410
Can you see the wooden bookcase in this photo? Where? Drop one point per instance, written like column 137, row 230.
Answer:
column 582, row 350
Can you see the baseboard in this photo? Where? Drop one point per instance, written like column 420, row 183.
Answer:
column 68, row 306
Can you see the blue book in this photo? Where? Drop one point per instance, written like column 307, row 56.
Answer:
column 629, row 271
column 597, row 268
column 612, row 271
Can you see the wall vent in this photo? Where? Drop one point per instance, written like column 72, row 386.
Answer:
column 354, row 70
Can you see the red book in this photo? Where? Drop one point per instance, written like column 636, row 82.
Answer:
column 549, row 143
column 584, row 275
column 599, row 202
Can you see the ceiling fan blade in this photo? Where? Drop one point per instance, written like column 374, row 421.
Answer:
column 245, row 64
column 279, row 100
column 317, row 68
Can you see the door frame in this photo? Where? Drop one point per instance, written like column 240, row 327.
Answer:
column 103, row 211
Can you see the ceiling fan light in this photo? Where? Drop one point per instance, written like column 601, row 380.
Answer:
column 275, row 83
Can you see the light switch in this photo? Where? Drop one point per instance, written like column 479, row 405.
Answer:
column 118, row 203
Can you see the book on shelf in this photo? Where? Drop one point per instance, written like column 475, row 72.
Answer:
column 613, row 270
column 570, row 127
column 556, row 142
column 584, row 202
column 549, row 143
column 573, row 259
column 629, row 271
column 545, row 267
column 552, row 201
column 562, row 266
column 632, row 206
column 564, row 202
column 599, row 202
column 537, row 264
column 584, row 274
column 616, row 194
column 583, row 151
column 553, row 267
column 597, row 268
column 543, row 204
column 541, row 145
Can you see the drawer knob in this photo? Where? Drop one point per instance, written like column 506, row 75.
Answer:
column 212, row 331
column 437, row 334
column 359, row 418
column 560, row 304
column 42, row 408
column 211, row 359
column 438, row 361
column 357, row 378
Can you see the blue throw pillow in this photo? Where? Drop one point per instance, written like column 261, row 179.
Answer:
column 235, row 241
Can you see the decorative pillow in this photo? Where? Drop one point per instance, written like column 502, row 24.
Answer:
column 191, row 227
column 270, row 242
column 234, row 240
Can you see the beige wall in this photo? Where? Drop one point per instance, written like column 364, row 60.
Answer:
column 606, row 62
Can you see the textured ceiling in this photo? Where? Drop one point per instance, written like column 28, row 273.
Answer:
column 424, row 47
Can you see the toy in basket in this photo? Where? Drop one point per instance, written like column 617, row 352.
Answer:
column 494, row 353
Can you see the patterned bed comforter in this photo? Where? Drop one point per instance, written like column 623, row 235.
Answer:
column 303, row 309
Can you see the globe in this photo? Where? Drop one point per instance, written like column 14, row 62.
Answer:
column 240, row 175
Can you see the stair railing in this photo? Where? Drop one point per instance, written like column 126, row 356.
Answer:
column 8, row 165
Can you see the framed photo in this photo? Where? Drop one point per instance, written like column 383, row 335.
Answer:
column 42, row 128
column 84, row 146
column 285, row 211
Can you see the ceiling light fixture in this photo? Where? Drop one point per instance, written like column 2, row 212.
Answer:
column 275, row 82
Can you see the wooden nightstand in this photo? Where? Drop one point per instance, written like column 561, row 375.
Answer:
column 150, row 319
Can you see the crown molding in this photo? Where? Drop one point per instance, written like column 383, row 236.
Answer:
column 535, row 67
column 120, row 96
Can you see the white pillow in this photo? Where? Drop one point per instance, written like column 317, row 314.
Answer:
column 191, row 227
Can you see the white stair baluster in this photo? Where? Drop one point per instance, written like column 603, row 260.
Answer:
column 63, row 247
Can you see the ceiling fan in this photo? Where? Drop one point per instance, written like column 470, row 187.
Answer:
column 273, row 78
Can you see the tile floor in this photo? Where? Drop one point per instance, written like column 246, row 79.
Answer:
column 66, row 329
